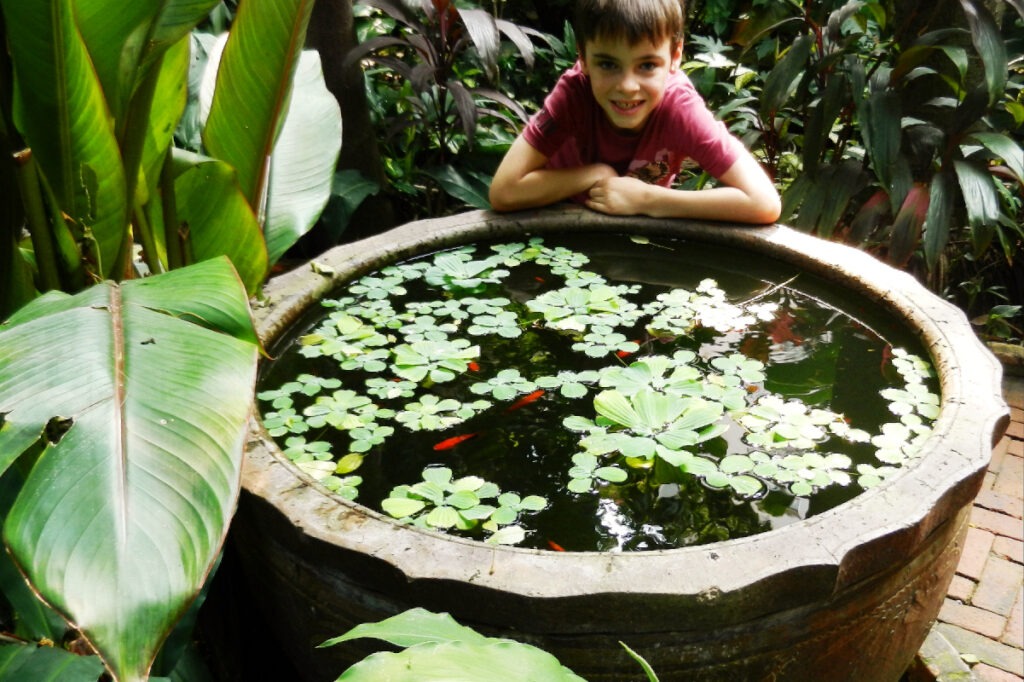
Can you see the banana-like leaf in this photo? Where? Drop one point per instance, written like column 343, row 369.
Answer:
column 169, row 100
column 253, row 89
column 61, row 111
column 141, row 414
column 304, row 158
column 125, row 38
column 302, row 165
column 219, row 220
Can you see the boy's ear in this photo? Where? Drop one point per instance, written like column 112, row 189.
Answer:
column 677, row 56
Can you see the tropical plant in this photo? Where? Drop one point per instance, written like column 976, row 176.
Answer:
column 889, row 125
column 435, row 647
column 433, row 70
column 128, row 387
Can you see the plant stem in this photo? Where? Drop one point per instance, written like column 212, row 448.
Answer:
column 38, row 225
column 169, row 206
column 145, row 233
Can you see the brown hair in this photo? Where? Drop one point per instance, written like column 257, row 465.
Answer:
column 631, row 20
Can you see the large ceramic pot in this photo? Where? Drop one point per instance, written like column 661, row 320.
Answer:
column 845, row 595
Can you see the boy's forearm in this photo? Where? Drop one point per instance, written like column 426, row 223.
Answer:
column 746, row 195
column 544, row 186
column 719, row 203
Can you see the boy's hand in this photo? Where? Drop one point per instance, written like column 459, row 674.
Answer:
column 617, row 195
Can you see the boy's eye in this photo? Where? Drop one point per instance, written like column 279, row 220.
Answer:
column 648, row 66
column 607, row 65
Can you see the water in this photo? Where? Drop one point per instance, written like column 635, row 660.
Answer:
column 825, row 347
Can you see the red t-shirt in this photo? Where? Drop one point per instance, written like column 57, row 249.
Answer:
column 572, row 130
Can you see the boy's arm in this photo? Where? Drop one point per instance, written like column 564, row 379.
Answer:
column 522, row 181
column 746, row 195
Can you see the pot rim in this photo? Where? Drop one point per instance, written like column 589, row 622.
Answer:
column 813, row 558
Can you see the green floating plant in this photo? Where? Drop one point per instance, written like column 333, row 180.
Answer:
column 439, row 361
column 672, row 375
column 570, row 384
column 458, row 270
column 504, row 386
column 342, row 336
column 603, row 340
column 433, row 413
column 442, row 502
column 576, row 308
column 505, row 324
column 637, row 425
column 587, row 469
column 678, row 312
column 560, row 260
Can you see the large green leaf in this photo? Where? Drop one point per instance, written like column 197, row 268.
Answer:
column 438, row 649
column 939, row 218
column 784, row 76
column 491, row 661
column 142, row 416
column 45, row 664
column 304, row 158
column 169, row 102
column 979, row 193
column 125, row 38
column 61, row 111
column 1004, row 147
column 253, row 89
column 412, row 627
column 991, row 47
column 219, row 220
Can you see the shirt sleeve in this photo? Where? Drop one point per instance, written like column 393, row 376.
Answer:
column 550, row 127
column 706, row 139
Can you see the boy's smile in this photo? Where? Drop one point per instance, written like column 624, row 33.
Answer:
column 628, row 81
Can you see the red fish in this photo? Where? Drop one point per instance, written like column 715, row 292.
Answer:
column 525, row 400
column 555, row 546
column 627, row 353
column 781, row 330
column 473, row 367
column 449, row 443
column 886, row 358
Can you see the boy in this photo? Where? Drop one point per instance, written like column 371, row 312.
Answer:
column 617, row 127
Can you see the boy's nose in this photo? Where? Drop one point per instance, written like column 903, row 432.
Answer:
column 628, row 83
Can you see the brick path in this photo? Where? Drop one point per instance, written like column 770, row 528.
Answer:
column 980, row 631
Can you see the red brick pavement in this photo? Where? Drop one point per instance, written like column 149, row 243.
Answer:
column 981, row 619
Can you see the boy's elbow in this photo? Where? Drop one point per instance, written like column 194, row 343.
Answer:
column 770, row 210
column 498, row 198
column 767, row 208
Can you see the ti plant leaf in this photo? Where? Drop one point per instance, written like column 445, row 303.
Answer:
column 140, row 404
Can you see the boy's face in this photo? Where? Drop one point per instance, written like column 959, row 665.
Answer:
column 628, row 81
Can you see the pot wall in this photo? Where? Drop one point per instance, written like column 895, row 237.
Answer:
column 807, row 601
